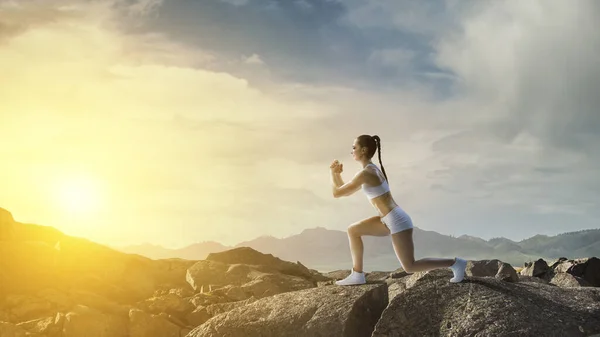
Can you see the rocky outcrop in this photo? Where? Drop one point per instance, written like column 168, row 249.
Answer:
column 567, row 280
column 487, row 306
column 7, row 225
column 53, row 285
column 264, row 276
column 566, row 273
column 263, row 262
column 322, row 311
column 588, row 269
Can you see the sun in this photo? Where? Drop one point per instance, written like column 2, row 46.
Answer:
column 79, row 194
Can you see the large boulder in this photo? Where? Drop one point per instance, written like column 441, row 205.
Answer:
column 204, row 313
column 249, row 256
column 492, row 268
column 586, row 268
column 316, row 312
column 537, row 268
column 205, row 273
column 485, row 306
column 565, row 280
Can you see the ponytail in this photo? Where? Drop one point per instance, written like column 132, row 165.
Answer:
column 378, row 143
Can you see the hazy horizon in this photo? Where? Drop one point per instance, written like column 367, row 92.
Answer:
column 176, row 122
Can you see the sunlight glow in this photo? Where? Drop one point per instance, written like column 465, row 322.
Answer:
column 79, row 194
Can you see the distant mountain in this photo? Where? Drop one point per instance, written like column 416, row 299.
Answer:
column 325, row 250
column 197, row 251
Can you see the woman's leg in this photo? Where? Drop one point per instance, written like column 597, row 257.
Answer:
column 404, row 248
column 371, row 226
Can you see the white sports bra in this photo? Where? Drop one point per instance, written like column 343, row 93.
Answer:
column 375, row 191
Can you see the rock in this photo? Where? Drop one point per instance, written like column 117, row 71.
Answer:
column 169, row 303
column 337, row 274
column 377, row 276
column 219, row 308
column 48, row 326
column 399, row 273
column 537, row 268
column 198, row 316
column 98, row 302
column 59, row 299
column 142, row 324
column 507, row 273
column 563, row 266
column 249, row 256
column 205, row 273
column 271, row 284
column 566, row 280
column 205, row 299
column 315, row 312
column 485, row 306
column 317, row 276
column 234, row 293
column 84, row 321
column 492, row 268
column 325, row 283
column 587, row 269
column 532, row 279
column 374, row 276
column 560, row 260
column 395, row 287
column 25, row 308
column 182, row 292
column 173, row 319
column 38, row 257
column 483, row 268
column 7, row 225
column 11, row 330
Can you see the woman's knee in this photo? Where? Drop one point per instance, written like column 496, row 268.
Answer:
column 354, row 230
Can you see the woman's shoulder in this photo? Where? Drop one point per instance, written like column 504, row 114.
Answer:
column 371, row 175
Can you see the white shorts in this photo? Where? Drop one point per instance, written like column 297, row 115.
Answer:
column 397, row 220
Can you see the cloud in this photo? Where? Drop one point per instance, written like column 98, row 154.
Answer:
column 253, row 59
column 487, row 126
column 397, row 59
column 160, row 132
column 236, row 2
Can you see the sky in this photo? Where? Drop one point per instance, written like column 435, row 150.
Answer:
column 173, row 122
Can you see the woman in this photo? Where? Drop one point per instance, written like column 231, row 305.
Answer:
column 392, row 219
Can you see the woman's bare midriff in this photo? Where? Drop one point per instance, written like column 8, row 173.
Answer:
column 384, row 203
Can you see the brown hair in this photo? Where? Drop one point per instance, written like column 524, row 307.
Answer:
column 372, row 143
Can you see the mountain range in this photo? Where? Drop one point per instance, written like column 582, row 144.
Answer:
column 326, row 250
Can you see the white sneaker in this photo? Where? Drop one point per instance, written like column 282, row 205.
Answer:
column 352, row 279
column 458, row 268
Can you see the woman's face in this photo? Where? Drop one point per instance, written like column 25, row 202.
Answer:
column 356, row 150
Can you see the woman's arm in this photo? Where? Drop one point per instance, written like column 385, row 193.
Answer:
column 340, row 189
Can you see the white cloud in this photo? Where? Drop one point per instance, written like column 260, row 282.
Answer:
column 502, row 149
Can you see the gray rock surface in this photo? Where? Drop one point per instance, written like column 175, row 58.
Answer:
column 317, row 312
column 486, row 306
